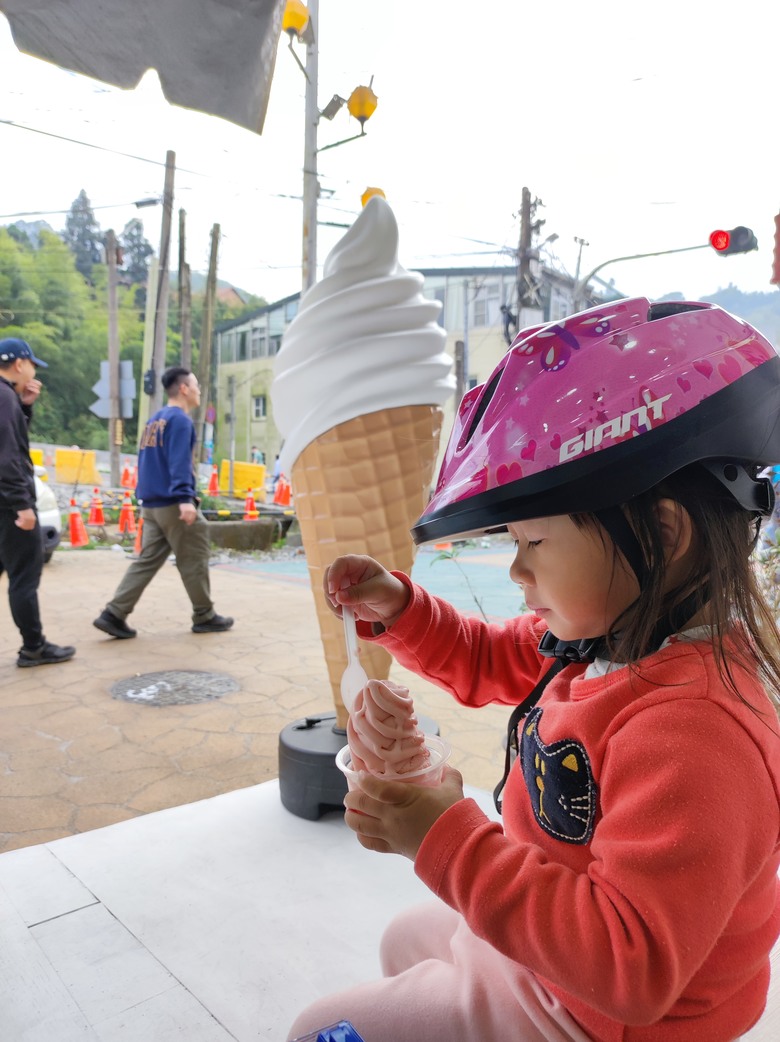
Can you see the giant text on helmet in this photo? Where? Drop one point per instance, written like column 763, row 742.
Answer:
column 637, row 419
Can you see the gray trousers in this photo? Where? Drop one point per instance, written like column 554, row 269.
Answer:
column 164, row 532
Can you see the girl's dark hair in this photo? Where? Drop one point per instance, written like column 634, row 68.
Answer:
column 722, row 575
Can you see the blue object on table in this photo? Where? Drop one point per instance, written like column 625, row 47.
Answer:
column 341, row 1032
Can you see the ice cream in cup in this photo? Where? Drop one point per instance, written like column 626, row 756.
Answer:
column 438, row 749
column 385, row 740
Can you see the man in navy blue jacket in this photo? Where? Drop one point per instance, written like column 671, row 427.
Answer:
column 171, row 518
column 21, row 550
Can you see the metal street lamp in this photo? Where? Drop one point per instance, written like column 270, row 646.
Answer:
column 581, row 285
column 361, row 104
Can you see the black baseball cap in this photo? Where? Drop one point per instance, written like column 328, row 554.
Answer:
column 12, row 348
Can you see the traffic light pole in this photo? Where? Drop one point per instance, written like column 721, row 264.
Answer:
column 114, row 412
column 581, row 285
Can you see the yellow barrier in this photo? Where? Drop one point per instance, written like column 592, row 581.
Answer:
column 76, row 466
column 245, row 476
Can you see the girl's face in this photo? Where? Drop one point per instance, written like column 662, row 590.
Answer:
column 575, row 582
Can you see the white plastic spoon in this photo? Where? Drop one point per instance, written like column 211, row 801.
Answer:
column 354, row 677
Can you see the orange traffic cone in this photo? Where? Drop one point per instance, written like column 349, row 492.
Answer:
column 282, row 493
column 133, row 477
column 78, row 533
column 96, row 515
column 127, row 479
column 250, row 511
column 139, row 538
column 213, row 489
column 127, row 515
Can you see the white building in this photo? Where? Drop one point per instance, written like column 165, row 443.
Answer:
column 471, row 299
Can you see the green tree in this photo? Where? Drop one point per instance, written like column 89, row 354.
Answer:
column 83, row 235
column 137, row 252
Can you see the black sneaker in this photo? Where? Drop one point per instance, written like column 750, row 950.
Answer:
column 216, row 624
column 113, row 625
column 47, row 654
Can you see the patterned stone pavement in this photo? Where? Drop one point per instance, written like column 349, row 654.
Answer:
column 75, row 758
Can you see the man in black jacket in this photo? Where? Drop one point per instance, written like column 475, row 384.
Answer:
column 21, row 550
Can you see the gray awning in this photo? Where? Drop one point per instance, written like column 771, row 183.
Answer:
column 216, row 56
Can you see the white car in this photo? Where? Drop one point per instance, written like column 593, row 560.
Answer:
column 49, row 516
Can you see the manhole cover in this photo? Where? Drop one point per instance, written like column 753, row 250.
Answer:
column 174, row 687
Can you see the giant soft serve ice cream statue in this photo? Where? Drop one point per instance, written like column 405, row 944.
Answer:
column 359, row 384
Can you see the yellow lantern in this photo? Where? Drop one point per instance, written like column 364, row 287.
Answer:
column 369, row 193
column 295, row 18
column 361, row 104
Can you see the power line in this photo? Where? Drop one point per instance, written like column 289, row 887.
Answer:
column 100, row 148
column 51, row 213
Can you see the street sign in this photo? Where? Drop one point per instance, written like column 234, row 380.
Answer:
column 127, row 391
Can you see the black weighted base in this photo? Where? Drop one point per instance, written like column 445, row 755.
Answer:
column 310, row 783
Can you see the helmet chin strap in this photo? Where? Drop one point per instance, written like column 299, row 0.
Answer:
column 757, row 495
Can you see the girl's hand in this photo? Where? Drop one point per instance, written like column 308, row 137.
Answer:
column 374, row 593
column 395, row 817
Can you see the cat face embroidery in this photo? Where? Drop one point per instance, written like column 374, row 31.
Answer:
column 560, row 783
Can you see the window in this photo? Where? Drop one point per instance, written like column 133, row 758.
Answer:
column 290, row 310
column 259, row 407
column 274, row 344
column 242, row 338
column 226, row 348
column 257, row 347
column 485, row 303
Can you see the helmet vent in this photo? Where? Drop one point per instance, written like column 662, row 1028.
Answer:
column 665, row 308
column 480, row 410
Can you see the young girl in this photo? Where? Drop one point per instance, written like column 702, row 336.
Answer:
column 632, row 893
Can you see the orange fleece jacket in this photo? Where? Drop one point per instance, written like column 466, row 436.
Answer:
column 636, row 872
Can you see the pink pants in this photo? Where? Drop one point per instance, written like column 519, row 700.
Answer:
column 444, row 984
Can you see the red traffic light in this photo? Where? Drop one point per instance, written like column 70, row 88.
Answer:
column 736, row 240
column 720, row 240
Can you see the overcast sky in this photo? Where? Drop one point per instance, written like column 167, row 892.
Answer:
column 639, row 132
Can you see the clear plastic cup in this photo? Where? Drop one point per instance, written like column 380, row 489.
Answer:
column 438, row 748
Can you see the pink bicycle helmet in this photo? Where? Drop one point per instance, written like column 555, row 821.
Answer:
column 582, row 415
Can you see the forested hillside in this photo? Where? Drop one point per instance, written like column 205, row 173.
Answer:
column 53, row 293
column 761, row 310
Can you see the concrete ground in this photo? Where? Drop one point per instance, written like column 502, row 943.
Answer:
column 214, row 915
column 74, row 758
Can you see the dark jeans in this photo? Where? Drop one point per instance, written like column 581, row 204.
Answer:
column 21, row 556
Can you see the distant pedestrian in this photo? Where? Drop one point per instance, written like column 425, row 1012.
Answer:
column 257, row 456
column 170, row 511
column 508, row 320
column 21, row 547
column 277, row 470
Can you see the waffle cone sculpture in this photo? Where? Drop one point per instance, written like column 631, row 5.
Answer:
column 359, row 384
column 358, row 490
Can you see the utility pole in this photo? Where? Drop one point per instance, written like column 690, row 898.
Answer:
column 232, row 394
column 185, row 298
column 161, row 302
column 465, row 355
column 310, row 183
column 114, row 421
column 206, row 333
column 460, row 383
column 524, row 252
